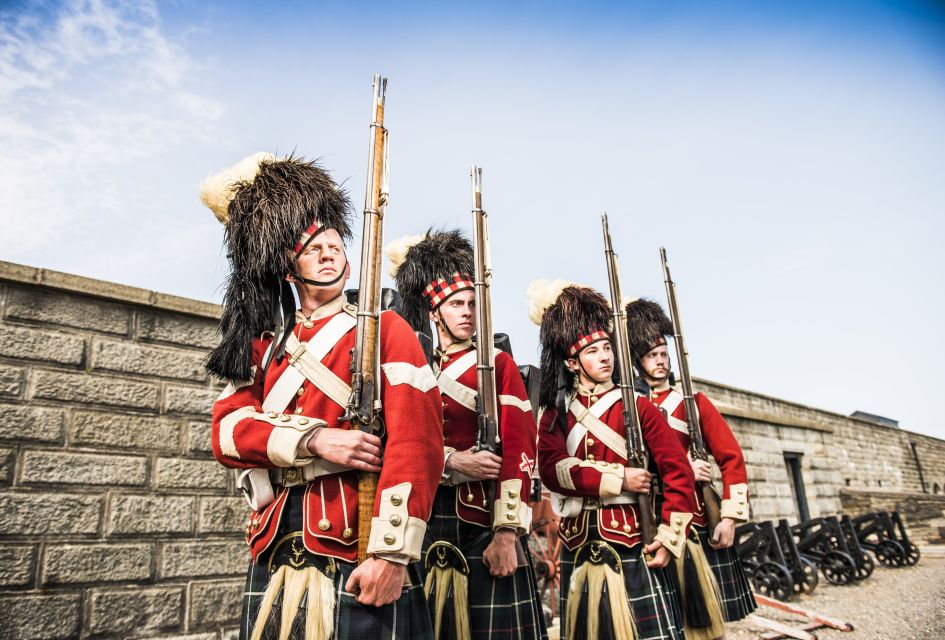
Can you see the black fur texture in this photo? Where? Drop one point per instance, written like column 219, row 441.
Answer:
column 647, row 323
column 439, row 255
column 267, row 216
column 577, row 311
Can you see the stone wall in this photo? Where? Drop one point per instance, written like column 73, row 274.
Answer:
column 116, row 521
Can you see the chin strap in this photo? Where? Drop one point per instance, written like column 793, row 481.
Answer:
column 446, row 327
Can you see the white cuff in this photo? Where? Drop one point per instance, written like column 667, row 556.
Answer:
column 736, row 506
column 509, row 511
column 394, row 534
column 673, row 536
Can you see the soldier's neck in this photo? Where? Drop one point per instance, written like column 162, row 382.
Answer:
column 657, row 385
column 313, row 308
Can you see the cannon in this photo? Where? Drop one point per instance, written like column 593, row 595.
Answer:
column 821, row 540
column 885, row 535
column 756, row 544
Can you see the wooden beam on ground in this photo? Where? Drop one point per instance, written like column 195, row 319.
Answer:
column 776, row 635
column 782, row 629
column 827, row 621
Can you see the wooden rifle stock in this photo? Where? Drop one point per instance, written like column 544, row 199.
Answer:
column 363, row 410
column 487, row 404
column 697, row 450
column 636, row 450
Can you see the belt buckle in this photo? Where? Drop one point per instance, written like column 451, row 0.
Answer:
column 298, row 353
column 291, row 476
column 592, row 503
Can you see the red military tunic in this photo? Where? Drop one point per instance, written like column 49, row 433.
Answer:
column 458, row 386
column 245, row 436
column 580, row 463
column 719, row 442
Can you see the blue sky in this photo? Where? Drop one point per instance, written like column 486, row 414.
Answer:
column 790, row 156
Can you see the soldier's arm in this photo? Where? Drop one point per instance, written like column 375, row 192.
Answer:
column 678, row 480
column 243, row 436
column 413, row 452
column 517, row 433
column 722, row 445
column 569, row 475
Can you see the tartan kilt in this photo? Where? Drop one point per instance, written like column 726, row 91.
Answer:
column 653, row 593
column 499, row 608
column 407, row 617
column 737, row 598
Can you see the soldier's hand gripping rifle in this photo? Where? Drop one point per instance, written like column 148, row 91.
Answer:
column 363, row 410
column 636, row 451
column 696, row 444
column 487, row 406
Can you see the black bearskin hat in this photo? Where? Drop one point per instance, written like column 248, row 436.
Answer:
column 428, row 269
column 647, row 326
column 270, row 207
column 570, row 316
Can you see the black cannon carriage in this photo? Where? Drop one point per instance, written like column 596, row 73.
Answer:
column 885, row 535
column 772, row 571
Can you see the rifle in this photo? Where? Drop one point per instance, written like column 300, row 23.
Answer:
column 696, row 444
column 636, row 451
column 363, row 410
column 487, row 405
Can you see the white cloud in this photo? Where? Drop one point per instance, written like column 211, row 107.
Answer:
column 85, row 91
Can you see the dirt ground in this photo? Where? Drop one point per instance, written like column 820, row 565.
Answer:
column 905, row 604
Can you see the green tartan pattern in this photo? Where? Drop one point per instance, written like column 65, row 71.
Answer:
column 499, row 608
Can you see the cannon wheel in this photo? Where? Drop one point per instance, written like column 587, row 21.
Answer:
column 890, row 553
column 838, row 567
column 544, row 545
column 865, row 569
column 772, row 580
column 912, row 553
column 810, row 577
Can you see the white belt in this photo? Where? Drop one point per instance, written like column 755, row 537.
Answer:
column 626, row 497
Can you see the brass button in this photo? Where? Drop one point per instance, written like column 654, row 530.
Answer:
column 303, row 421
column 389, row 539
column 739, row 511
column 674, row 540
column 511, row 505
column 300, row 392
column 614, row 523
column 285, row 418
column 573, row 530
column 298, row 411
column 510, row 516
column 677, row 529
column 677, row 520
column 511, row 494
column 347, row 533
column 272, row 414
column 395, row 520
column 469, row 497
column 593, row 398
column 590, row 442
column 626, row 528
column 308, row 324
column 590, row 457
column 615, row 465
column 396, row 500
column 323, row 524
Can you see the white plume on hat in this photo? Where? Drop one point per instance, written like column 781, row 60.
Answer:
column 396, row 251
column 542, row 293
column 216, row 191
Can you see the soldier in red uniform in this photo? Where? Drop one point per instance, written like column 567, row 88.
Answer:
column 279, row 417
column 582, row 458
column 649, row 328
column 477, row 569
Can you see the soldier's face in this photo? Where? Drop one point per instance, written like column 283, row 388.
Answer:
column 594, row 364
column 323, row 260
column 656, row 363
column 459, row 313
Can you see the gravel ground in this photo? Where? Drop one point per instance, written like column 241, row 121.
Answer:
column 904, row 604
